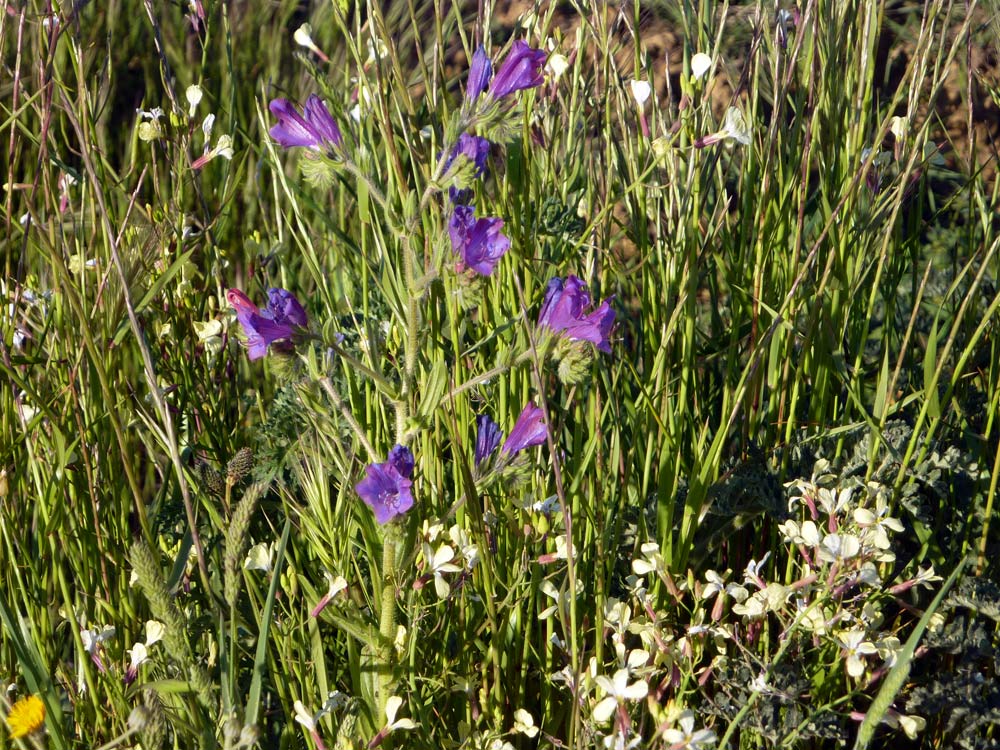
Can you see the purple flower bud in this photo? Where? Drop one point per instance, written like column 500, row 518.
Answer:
column 386, row 486
column 488, row 437
column 316, row 129
column 474, row 148
column 480, row 72
column 564, row 311
column 521, row 69
column 529, row 430
column 280, row 320
column 478, row 242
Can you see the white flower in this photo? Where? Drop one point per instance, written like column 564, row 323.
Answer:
column 224, row 147
column 735, row 126
column 152, row 115
column 391, row 724
column 686, row 738
column 193, row 94
column 854, row 647
column 715, row 584
column 259, row 557
column 832, row 501
column 379, row 47
column 560, row 599
column 470, row 552
column 556, row 65
column 899, row 126
column 139, row 655
column 524, row 723
column 839, row 547
column 154, row 631
column 440, row 562
column 875, row 525
column 206, row 125
column 807, row 534
column 640, row 91
column 911, row 725
column 889, row 648
column 651, row 561
column 925, row 577
column 303, row 717
column 700, row 65
column 336, row 585
column 752, row 572
column 768, row 599
column 618, row 691
column 303, row 37
column 94, row 638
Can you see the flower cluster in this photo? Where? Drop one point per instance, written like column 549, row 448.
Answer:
column 478, row 242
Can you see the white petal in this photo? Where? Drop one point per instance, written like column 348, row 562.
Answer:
column 604, row 709
column 700, row 65
column 303, row 717
column 391, row 707
column 640, row 91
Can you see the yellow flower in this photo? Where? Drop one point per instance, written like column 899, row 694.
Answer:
column 26, row 716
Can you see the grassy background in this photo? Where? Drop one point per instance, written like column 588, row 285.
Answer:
column 772, row 308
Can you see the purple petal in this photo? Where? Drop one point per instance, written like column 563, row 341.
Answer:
column 563, row 311
column 401, row 459
column 292, row 130
column 322, row 121
column 385, row 491
column 463, row 218
column 529, row 430
column 521, row 69
column 488, row 437
column 480, row 72
column 285, row 308
column 485, row 246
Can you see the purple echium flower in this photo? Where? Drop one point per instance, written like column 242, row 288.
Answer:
column 521, row 69
column 480, row 72
column 280, row 320
column 529, row 430
column 488, row 437
column 386, row 486
column 564, row 311
column 315, row 128
column 478, row 242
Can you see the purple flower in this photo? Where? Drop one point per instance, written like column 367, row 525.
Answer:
column 280, row 320
column 563, row 311
column 529, row 430
column 479, row 75
column 478, row 242
column 386, row 486
column 521, row 69
column 315, row 128
column 488, row 437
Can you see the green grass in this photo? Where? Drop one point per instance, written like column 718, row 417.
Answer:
column 805, row 334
